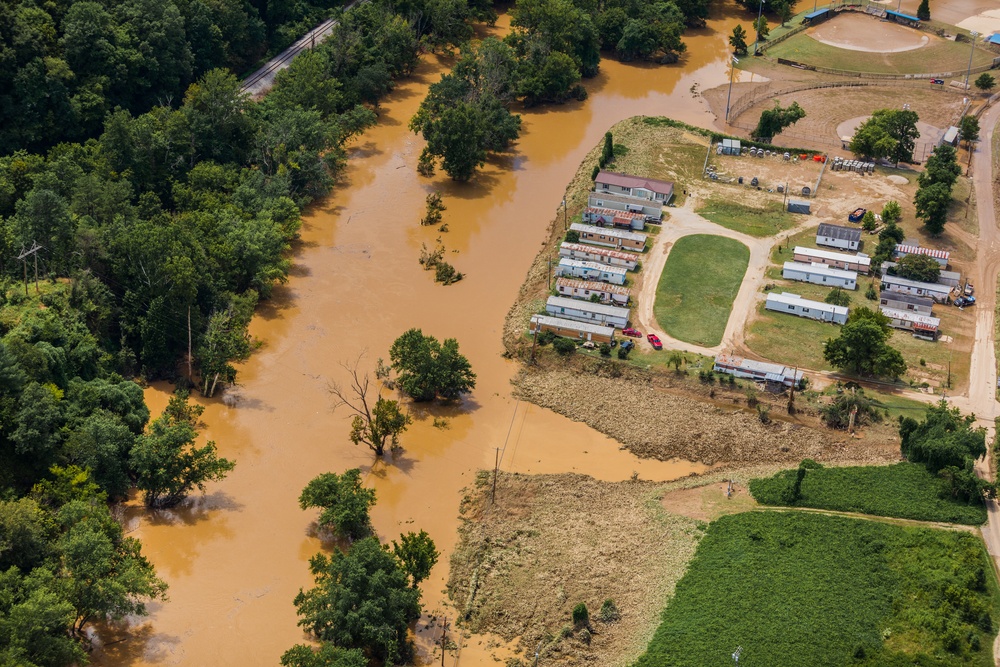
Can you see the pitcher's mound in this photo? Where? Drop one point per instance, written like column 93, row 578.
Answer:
column 861, row 32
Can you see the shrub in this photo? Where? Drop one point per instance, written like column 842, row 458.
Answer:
column 564, row 346
column 581, row 617
column 572, row 236
column 446, row 274
column 609, row 611
column 605, row 350
column 622, row 353
column 585, row 636
column 764, row 414
column 546, row 337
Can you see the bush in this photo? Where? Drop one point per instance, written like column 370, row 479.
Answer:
column 581, row 617
column 605, row 350
column 564, row 346
column 609, row 611
column 446, row 274
column 572, row 236
column 622, row 353
column 546, row 337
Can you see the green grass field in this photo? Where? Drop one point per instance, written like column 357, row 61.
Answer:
column 759, row 222
column 701, row 278
column 903, row 490
column 939, row 56
column 801, row 589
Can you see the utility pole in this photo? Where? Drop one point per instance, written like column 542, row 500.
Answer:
column 534, row 340
column 496, row 469
column 23, row 257
column 732, row 70
column 972, row 52
column 756, row 27
column 444, row 639
column 565, row 215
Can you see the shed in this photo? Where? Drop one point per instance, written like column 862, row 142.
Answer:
column 816, row 16
column 575, row 268
column 900, row 17
column 835, row 236
column 587, row 311
column 994, row 39
column 814, row 310
column 597, row 333
column 586, row 289
column 820, row 274
column 730, row 146
column 798, row 206
column 950, row 136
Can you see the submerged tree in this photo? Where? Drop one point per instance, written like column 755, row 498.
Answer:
column 426, row 369
column 345, row 503
column 417, row 553
column 738, row 40
column 375, row 425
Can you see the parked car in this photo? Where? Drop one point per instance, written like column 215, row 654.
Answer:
column 628, row 345
column 634, row 333
column 963, row 301
column 654, row 340
column 969, row 289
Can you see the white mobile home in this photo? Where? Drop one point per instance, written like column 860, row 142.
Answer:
column 899, row 301
column 613, row 238
column 903, row 249
column 586, row 289
column 759, row 371
column 950, row 278
column 910, row 321
column 587, row 311
column 820, row 274
column 597, row 333
column 651, row 209
column 837, row 260
column 835, row 236
column 574, row 268
column 609, row 217
column 635, row 186
column 936, row 291
column 589, row 253
column 814, row 310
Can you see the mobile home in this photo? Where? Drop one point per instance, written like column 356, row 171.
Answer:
column 589, row 253
column 635, row 186
column 607, row 217
column 587, row 311
column 574, row 268
column 619, row 239
column 586, row 289
column 651, row 209
column 899, row 301
column 820, row 274
column 837, row 260
column 835, row 236
column 814, row 310
column 597, row 333
column 910, row 321
column 936, row 291
column 758, row 371
column 940, row 256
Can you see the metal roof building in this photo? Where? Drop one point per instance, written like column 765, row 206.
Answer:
column 794, row 304
column 761, row 371
column 904, row 249
column 835, row 236
column 587, row 311
column 569, row 329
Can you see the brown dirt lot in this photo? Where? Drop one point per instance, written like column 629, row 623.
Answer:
column 860, row 32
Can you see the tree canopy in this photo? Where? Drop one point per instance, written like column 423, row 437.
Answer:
column 773, row 121
column 889, row 133
column 918, row 267
column 862, row 347
column 345, row 503
column 426, row 369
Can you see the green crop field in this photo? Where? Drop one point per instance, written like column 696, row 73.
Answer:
column 804, row 589
column 940, row 56
column 903, row 490
column 700, row 280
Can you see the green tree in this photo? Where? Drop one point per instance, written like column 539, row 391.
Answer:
column 785, row 12
column 773, row 121
column 362, row 599
column 26, row 532
column 165, row 461
column 932, row 204
column 924, row 10
column 327, row 655
column 34, row 617
column 968, row 130
column 862, row 348
column 760, row 26
column 985, row 82
column 868, row 222
column 417, row 553
column 738, row 40
column 345, row 503
column 226, row 340
column 892, row 213
column 918, row 267
column 375, row 425
column 942, row 167
column 608, row 151
column 426, row 369
column 944, row 438
column 889, row 133
column 838, row 297
column 837, row 414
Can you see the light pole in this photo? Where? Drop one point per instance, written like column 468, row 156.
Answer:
column 972, row 52
column 756, row 27
column 565, row 219
column 732, row 70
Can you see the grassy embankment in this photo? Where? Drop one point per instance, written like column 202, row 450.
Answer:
column 807, row 589
column 700, row 280
column 939, row 56
column 903, row 490
column 759, row 222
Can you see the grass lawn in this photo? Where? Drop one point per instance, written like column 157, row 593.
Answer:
column 800, row 589
column 903, row 490
column 939, row 56
column 700, row 280
column 759, row 222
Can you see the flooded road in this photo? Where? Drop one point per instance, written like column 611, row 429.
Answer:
column 236, row 557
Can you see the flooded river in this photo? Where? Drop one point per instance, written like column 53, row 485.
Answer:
column 236, row 557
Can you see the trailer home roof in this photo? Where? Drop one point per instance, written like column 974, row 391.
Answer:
column 596, row 266
column 817, row 269
column 922, row 321
column 598, row 250
column 607, row 231
column 593, row 286
column 587, row 306
column 839, row 233
column 915, row 284
column 862, row 260
column 612, row 213
column 563, row 323
column 794, row 299
column 903, row 249
column 625, row 181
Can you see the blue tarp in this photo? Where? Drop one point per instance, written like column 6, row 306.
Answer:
column 994, row 38
column 816, row 14
column 903, row 16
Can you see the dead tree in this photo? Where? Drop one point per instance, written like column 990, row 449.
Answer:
column 377, row 421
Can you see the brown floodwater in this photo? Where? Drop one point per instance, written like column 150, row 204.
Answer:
column 236, row 557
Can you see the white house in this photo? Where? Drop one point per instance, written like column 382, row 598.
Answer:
column 900, row 301
column 613, row 238
column 635, row 186
column 950, row 278
column 820, row 274
column 837, row 260
column 589, row 253
column 587, row 311
column 904, row 249
column 814, row 310
column 936, row 291
column 610, row 217
column 575, row 268
column 910, row 321
column 585, row 289
column 598, row 333
column 653, row 210
column 835, row 236
column 759, row 371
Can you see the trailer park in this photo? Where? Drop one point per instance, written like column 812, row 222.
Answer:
column 646, row 260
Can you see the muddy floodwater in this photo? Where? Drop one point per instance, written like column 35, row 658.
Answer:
column 236, row 557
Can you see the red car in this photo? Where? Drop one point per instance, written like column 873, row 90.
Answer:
column 654, row 340
column 634, row 333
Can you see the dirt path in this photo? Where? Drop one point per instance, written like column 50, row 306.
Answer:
column 915, row 523
column 685, row 222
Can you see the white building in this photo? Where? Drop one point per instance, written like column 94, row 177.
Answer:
column 936, row 291
column 900, row 301
column 837, row 260
column 611, row 237
column 835, row 236
column 820, row 274
column 598, row 333
column 585, row 289
column 758, row 371
column 814, row 310
column 911, row 321
column 575, row 268
column 939, row 256
column 589, row 253
column 587, row 311
column 651, row 209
